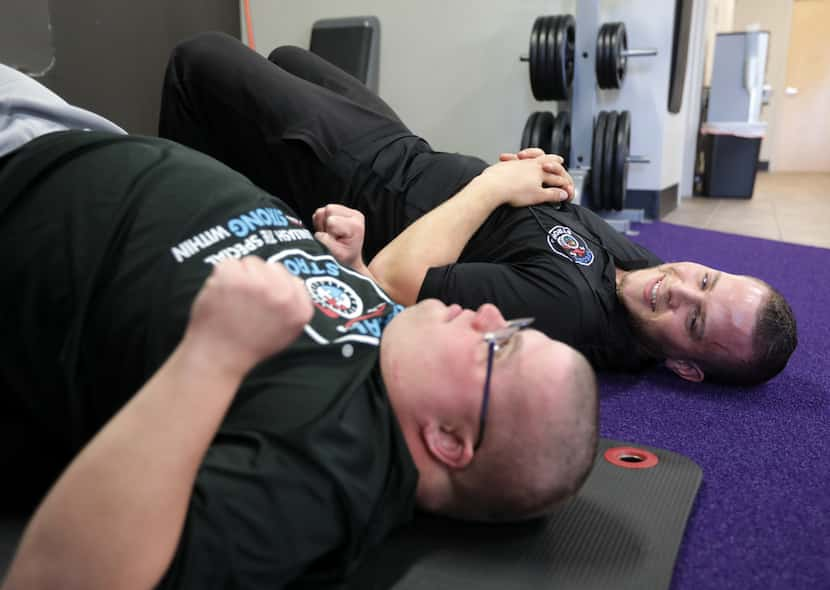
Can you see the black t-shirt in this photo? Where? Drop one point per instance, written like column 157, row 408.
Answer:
column 105, row 242
column 555, row 265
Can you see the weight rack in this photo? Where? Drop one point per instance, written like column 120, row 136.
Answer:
column 584, row 105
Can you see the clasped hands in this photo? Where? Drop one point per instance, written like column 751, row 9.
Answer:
column 528, row 177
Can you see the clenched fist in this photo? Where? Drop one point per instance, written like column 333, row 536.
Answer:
column 341, row 230
column 248, row 310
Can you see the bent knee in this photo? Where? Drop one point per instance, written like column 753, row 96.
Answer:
column 290, row 57
column 203, row 49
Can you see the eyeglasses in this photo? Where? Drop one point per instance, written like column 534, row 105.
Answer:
column 495, row 340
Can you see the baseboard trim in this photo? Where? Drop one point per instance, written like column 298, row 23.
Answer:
column 656, row 204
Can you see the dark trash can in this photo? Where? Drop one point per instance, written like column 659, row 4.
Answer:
column 730, row 163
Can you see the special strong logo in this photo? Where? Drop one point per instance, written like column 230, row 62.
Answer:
column 566, row 242
column 351, row 306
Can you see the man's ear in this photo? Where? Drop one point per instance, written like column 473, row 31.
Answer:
column 448, row 446
column 688, row 370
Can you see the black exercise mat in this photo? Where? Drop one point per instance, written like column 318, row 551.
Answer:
column 622, row 530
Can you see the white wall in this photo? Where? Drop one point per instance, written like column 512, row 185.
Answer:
column 450, row 69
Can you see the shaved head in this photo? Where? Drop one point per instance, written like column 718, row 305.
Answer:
column 542, row 443
column 541, row 419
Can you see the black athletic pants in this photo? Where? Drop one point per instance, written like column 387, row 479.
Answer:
column 307, row 132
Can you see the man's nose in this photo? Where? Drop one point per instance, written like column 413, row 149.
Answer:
column 488, row 318
column 682, row 293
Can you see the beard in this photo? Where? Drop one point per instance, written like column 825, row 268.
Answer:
column 645, row 341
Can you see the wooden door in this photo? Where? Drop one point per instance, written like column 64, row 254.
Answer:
column 802, row 140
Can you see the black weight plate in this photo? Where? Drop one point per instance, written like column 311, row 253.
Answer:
column 535, row 33
column 544, row 123
column 553, row 69
column 612, row 53
column 570, row 39
column 596, row 161
column 534, row 131
column 598, row 57
column 622, row 61
column 621, row 142
column 558, row 139
column 549, row 58
column 555, row 86
column 555, row 135
column 541, row 59
column 538, row 49
column 541, row 72
column 533, row 138
column 526, row 132
column 565, row 139
column 602, row 70
column 608, row 188
column 610, row 56
column 541, row 66
column 624, row 180
column 559, row 46
column 605, row 57
column 616, row 34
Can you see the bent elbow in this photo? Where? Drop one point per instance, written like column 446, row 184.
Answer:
column 400, row 286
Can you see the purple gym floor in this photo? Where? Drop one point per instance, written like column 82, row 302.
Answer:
column 762, row 516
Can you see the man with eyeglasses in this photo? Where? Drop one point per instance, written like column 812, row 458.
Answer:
column 288, row 413
column 448, row 226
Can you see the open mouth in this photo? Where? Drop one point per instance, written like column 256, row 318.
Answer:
column 651, row 294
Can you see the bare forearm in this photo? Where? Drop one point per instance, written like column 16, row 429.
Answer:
column 436, row 239
column 114, row 518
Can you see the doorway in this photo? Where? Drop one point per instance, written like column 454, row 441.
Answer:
column 802, row 138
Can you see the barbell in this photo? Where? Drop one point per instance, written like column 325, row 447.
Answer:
column 551, row 56
column 612, row 55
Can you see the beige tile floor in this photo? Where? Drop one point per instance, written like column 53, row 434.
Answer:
column 789, row 207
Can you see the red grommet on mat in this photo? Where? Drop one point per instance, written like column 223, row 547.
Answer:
column 631, row 457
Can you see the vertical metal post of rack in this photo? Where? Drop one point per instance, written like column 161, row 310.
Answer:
column 584, row 97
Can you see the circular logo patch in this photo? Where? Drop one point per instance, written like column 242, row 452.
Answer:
column 334, row 297
column 569, row 244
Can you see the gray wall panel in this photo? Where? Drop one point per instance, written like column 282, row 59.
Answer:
column 110, row 54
